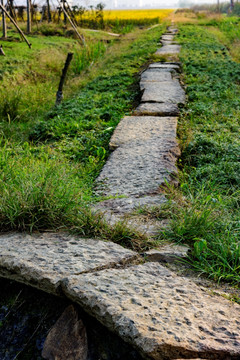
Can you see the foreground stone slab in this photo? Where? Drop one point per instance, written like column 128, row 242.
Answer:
column 168, row 49
column 139, row 128
column 167, row 92
column 43, row 260
column 163, row 315
column 156, row 109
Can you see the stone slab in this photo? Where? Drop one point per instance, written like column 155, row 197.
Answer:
column 156, row 109
column 161, row 314
column 168, row 253
column 143, row 128
column 130, row 204
column 139, row 168
column 168, row 92
column 43, row 260
column 168, row 49
column 163, row 66
column 156, row 75
column 167, row 37
column 172, row 29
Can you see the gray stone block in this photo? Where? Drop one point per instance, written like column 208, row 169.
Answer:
column 139, row 168
column 168, row 49
column 163, row 315
column 156, row 109
column 43, row 260
column 168, row 92
column 143, row 128
column 156, row 75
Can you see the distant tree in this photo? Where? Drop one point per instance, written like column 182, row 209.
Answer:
column 231, row 5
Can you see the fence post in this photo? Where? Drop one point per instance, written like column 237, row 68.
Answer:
column 29, row 24
column 59, row 94
column 4, row 24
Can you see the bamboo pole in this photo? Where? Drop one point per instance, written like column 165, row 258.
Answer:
column 70, row 20
column 29, row 20
column 15, row 24
column 4, row 24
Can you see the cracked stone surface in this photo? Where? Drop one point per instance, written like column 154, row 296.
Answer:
column 163, row 315
column 168, row 49
column 42, row 260
column 168, row 92
column 156, row 109
column 139, row 128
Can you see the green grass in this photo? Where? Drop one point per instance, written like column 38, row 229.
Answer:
column 209, row 198
column 50, row 157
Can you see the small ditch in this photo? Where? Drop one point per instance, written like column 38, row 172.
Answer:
column 27, row 315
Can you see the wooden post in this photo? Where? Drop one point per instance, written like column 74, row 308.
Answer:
column 29, row 20
column 81, row 37
column 4, row 24
column 1, row 51
column 49, row 12
column 15, row 24
column 64, row 12
column 59, row 94
column 231, row 5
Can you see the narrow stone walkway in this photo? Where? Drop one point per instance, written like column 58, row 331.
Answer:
column 145, row 146
column 162, row 315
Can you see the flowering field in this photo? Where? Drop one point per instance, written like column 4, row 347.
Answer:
column 137, row 14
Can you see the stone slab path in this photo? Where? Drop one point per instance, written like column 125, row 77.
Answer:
column 162, row 315
column 145, row 147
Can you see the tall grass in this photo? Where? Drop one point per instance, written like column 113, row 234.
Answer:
column 87, row 56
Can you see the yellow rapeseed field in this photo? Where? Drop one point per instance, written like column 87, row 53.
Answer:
column 137, row 14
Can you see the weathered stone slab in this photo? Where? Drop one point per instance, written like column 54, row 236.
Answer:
column 163, row 66
column 167, row 37
column 43, row 260
column 168, row 253
column 156, row 75
column 172, row 29
column 168, row 92
column 130, row 204
column 168, row 49
column 143, row 128
column 139, row 168
column 156, row 109
column 163, row 315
